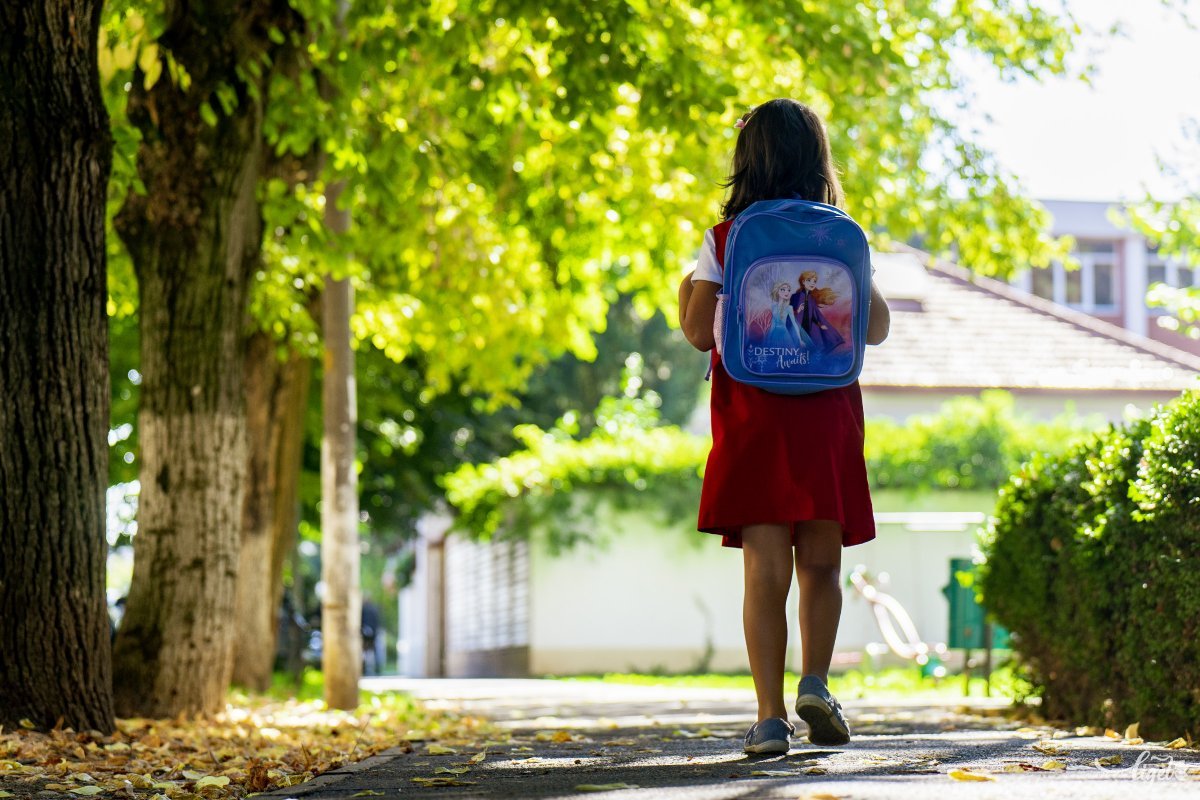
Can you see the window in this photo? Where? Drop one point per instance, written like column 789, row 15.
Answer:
column 1103, row 293
column 1091, row 288
column 1156, row 273
column 1184, row 277
column 1074, row 289
column 1043, row 282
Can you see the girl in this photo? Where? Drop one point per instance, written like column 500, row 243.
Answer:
column 786, row 480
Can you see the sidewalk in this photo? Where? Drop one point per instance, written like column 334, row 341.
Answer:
column 555, row 737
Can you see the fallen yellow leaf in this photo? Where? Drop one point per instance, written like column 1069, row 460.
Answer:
column 1131, row 732
column 434, row 750
column 815, row 771
column 367, row 793
column 212, row 780
column 1176, row 744
column 603, row 787
column 442, row 782
column 964, row 775
column 451, row 770
column 1049, row 748
column 1053, row 765
column 6, row 794
column 1108, row 761
column 1135, row 740
column 85, row 790
column 478, row 757
column 27, row 724
column 772, row 773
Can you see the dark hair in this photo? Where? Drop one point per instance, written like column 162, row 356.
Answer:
column 782, row 151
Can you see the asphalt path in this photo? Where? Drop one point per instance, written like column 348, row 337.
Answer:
column 556, row 739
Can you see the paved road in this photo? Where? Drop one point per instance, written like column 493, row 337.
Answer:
column 559, row 736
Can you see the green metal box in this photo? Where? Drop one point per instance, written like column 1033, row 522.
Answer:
column 967, row 617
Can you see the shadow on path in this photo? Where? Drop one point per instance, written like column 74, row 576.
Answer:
column 549, row 741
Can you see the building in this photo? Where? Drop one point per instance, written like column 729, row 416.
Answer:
column 1117, row 266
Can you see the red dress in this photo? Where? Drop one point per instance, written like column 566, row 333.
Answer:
column 783, row 458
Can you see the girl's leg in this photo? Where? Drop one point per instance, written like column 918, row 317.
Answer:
column 818, row 571
column 767, row 556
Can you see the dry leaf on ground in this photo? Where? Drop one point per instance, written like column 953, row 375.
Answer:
column 440, row 781
column 966, row 775
column 603, row 787
column 451, row 770
column 255, row 745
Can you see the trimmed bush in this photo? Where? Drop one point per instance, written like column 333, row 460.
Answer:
column 1091, row 563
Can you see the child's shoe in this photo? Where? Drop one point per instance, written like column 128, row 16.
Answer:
column 816, row 706
column 772, row 735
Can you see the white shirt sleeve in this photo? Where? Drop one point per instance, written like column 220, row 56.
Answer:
column 707, row 268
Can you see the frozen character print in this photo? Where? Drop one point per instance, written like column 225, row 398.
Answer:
column 783, row 331
column 806, row 305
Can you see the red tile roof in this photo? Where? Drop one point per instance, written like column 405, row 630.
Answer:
column 961, row 331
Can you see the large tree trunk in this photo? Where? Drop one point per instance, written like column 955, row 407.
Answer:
column 341, row 607
column 276, row 395
column 194, row 239
column 55, row 153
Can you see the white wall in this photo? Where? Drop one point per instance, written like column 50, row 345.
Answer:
column 651, row 597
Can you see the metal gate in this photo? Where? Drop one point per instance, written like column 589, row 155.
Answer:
column 487, row 608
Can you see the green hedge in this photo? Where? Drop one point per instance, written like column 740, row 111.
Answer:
column 1092, row 562
column 969, row 443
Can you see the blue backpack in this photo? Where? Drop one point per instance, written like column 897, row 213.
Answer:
column 792, row 313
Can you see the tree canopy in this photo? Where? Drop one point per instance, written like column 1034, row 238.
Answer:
column 514, row 166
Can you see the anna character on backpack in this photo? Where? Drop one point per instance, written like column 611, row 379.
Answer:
column 791, row 496
column 806, row 304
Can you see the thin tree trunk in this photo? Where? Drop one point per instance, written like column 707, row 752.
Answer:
column 276, row 395
column 55, row 154
column 341, row 606
column 194, row 240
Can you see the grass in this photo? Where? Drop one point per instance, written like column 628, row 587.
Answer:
column 893, row 683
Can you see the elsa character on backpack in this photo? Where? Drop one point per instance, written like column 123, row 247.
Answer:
column 806, row 304
column 784, row 331
column 790, row 495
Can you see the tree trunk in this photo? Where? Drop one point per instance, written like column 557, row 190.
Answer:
column 55, row 154
column 194, row 238
column 276, row 395
column 341, row 606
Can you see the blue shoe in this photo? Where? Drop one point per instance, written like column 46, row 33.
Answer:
column 772, row 735
column 816, row 706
